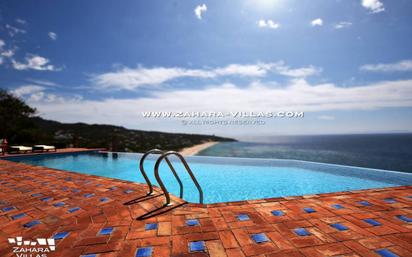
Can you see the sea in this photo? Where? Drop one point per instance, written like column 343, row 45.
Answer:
column 379, row 151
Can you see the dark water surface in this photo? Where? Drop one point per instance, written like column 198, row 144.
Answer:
column 381, row 151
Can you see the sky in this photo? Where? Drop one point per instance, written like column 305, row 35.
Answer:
column 346, row 64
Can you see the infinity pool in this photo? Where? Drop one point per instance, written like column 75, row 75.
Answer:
column 229, row 179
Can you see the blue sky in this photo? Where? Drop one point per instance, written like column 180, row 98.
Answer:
column 346, row 64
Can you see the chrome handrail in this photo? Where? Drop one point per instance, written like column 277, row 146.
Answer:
column 149, row 183
column 161, row 184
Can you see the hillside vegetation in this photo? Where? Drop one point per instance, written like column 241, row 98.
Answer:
column 117, row 138
column 20, row 125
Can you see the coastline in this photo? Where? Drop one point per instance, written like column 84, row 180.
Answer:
column 193, row 150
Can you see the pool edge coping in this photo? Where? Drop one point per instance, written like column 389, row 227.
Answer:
column 230, row 203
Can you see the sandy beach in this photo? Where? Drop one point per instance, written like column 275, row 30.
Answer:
column 188, row 151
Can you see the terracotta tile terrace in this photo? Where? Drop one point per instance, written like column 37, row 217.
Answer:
column 107, row 217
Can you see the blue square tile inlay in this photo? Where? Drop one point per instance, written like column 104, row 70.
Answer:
column 260, row 238
column 74, row 209
column 338, row 206
column 5, row 209
column 144, row 252
column 277, row 213
column 60, row 235
column 365, row 203
column 46, row 199
column 18, row 216
column 197, row 246
column 404, row 218
column 128, row 191
column 243, row 217
column 89, row 255
column 301, row 232
column 389, row 200
column 37, row 195
column 106, row 231
column 59, row 204
column 339, row 226
column 372, row 222
column 151, row 226
column 386, row 253
column 104, row 199
column 192, row 222
column 88, row 195
column 309, row 210
column 31, row 224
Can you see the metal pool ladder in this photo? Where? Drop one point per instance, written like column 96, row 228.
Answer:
column 163, row 156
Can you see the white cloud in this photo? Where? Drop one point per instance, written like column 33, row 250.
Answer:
column 343, row 24
column 14, row 31
column 21, row 21
column 7, row 53
column 326, row 117
column 36, row 93
column 52, row 35
column 268, row 24
column 317, row 22
column 44, row 82
column 262, row 23
column 298, row 95
column 2, row 44
column 375, row 6
column 405, row 65
column 130, row 79
column 34, row 62
column 282, row 69
column 248, row 70
column 26, row 90
column 4, row 54
column 199, row 10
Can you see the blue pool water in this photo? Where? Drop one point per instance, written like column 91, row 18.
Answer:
column 230, row 179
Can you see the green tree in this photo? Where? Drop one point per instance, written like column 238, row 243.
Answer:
column 15, row 122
